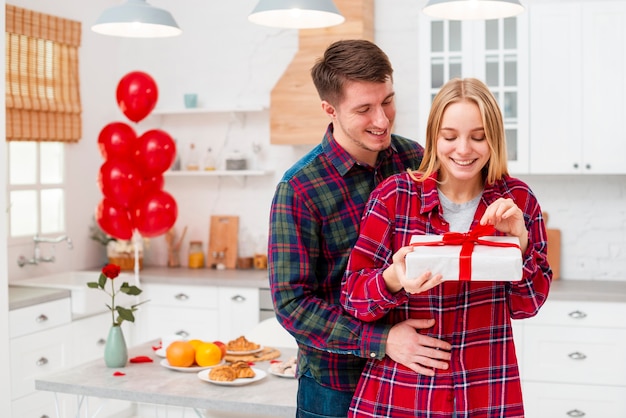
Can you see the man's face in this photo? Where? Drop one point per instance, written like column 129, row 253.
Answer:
column 364, row 119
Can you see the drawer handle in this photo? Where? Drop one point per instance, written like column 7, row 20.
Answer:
column 575, row 413
column 182, row 333
column 101, row 342
column 44, row 416
column 577, row 315
column 41, row 318
column 42, row 361
column 577, row 355
column 181, row 296
column 238, row 299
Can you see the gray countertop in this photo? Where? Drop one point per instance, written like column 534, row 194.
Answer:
column 575, row 290
column 154, row 384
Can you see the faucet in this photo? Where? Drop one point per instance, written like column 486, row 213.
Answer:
column 37, row 257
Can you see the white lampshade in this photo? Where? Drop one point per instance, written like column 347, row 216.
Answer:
column 296, row 14
column 136, row 19
column 472, row 9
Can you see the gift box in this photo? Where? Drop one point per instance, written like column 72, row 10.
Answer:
column 465, row 257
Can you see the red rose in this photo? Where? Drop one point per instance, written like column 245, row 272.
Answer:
column 111, row 271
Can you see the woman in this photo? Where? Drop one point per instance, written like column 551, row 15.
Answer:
column 462, row 182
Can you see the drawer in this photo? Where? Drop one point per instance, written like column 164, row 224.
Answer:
column 39, row 317
column 36, row 355
column 187, row 322
column 585, row 314
column 89, row 336
column 38, row 405
column 548, row 400
column 574, row 355
column 181, row 296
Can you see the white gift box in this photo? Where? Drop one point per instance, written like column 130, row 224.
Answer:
column 488, row 263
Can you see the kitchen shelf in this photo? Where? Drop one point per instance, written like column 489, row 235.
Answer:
column 200, row 110
column 238, row 174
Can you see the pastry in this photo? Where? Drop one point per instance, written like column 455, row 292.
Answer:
column 242, row 344
column 223, row 374
column 243, row 369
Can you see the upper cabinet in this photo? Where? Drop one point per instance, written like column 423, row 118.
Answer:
column 578, row 85
column 494, row 51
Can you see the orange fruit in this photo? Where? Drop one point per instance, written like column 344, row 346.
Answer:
column 208, row 354
column 195, row 343
column 180, row 354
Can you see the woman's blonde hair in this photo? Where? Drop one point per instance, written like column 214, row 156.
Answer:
column 474, row 90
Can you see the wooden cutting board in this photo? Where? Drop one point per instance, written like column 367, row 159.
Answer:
column 268, row 353
column 223, row 239
column 554, row 249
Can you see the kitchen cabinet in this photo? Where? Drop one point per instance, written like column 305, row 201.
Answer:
column 577, row 67
column 494, row 51
column 39, row 344
column 573, row 362
column 204, row 312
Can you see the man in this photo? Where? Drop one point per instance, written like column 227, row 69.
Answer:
column 314, row 221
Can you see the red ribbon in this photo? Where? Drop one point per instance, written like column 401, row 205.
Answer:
column 467, row 241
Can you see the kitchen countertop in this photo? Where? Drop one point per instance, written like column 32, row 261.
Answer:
column 22, row 297
column 152, row 383
column 562, row 289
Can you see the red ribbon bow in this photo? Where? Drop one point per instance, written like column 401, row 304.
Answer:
column 467, row 241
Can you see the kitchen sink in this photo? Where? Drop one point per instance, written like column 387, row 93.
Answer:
column 84, row 300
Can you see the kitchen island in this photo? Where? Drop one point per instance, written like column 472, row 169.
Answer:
column 151, row 383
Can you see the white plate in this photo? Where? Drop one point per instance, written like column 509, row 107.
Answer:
column 287, row 376
column 190, row 369
column 160, row 352
column 259, row 374
column 243, row 353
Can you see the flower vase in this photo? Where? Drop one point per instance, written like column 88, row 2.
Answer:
column 115, row 351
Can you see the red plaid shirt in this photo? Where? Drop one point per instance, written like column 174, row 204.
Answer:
column 475, row 317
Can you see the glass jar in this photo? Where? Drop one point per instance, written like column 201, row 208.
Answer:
column 196, row 255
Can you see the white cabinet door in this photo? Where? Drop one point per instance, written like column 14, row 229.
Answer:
column 38, row 354
column 494, row 51
column 556, row 93
column 549, row 400
column 578, row 62
column 239, row 311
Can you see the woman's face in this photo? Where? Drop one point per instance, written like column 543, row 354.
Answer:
column 462, row 147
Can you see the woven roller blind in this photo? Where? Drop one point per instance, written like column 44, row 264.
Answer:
column 42, row 80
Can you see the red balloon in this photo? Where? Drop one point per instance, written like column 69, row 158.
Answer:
column 155, row 214
column 150, row 185
column 114, row 219
column 117, row 140
column 120, row 181
column 155, row 152
column 136, row 95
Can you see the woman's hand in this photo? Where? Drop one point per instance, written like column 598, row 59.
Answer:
column 395, row 275
column 506, row 217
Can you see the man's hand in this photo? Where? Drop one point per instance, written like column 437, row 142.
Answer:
column 418, row 352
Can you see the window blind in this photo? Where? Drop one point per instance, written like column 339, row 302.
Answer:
column 42, row 79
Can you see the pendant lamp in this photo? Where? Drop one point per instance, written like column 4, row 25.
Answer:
column 472, row 9
column 296, row 14
column 136, row 19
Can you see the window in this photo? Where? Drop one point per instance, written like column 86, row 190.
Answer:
column 43, row 110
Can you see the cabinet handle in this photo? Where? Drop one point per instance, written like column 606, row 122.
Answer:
column 588, row 166
column 101, row 342
column 42, row 361
column 181, row 296
column 577, row 314
column 576, row 355
column 41, row 318
column 44, row 416
column 182, row 333
column 238, row 299
column 575, row 165
column 575, row 413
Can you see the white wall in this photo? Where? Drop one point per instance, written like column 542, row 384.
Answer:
column 227, row 60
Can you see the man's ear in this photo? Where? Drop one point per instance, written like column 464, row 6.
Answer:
column 329, row 109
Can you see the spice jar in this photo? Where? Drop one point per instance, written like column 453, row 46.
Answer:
column 196, row 255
